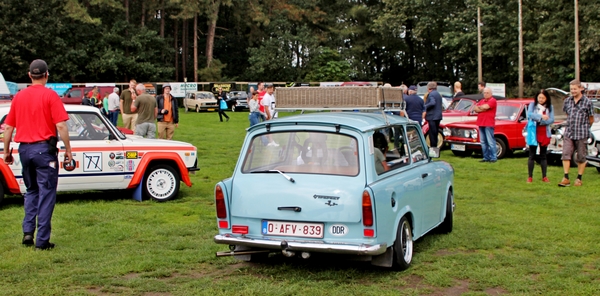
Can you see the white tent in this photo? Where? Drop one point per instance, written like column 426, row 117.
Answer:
column 3, row 86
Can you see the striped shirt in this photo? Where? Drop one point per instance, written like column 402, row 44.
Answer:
column 578, row 117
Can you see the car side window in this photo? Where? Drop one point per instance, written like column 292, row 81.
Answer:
column 417, row 150
column 87, row 127
column 396, row 155
column 76, row 93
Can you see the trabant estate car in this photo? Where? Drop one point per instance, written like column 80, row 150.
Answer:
column 200, row 101
column 511, row 117
column 106, row 159
column 309, row 184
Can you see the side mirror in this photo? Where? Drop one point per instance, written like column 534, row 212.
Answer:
column 111, row 137
column 434, row 152
column 69, row 95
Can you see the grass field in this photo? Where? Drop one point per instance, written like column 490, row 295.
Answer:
column 509, row 238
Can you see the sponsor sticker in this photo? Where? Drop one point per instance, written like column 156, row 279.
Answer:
column 92, row 162
column 130, row 165
column 131, row 155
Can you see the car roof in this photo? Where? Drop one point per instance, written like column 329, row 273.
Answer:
column 361, row 121
column 442, row 83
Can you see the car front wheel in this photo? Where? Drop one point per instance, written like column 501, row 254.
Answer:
column 403, row 246
column 161, row 183
column 440, row 137
column 501, row 149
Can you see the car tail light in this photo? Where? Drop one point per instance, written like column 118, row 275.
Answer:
column 367, row 209
column 239, row 229
column 220, row 203
column 369, row 233
column 223, row 224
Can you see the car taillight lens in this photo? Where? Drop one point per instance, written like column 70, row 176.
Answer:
column 220, row 203
column 367, row 209
column 239, row 229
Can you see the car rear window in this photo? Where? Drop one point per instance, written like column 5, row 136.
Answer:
column 303, row 152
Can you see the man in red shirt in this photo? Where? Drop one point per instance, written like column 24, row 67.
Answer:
column 261, row 93
column 37, row 113
column 486, row 120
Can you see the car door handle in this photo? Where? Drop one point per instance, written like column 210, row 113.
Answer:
column 295, row 209
column 425, row 175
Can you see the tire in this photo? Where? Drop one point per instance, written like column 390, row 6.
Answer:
column 465, row 153
column 161, row 183
column 501, row 149
column 446, row 226
column 403, row 246
column 197, row 109
column 440, row 140
column 1, row 193
column 597, row 169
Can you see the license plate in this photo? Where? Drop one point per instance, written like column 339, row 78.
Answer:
column 210, row 109
column 457, row 147
column 312, row 230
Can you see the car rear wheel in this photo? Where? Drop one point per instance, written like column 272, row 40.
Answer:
column 446, row 226
column 501, row 150
column 161, row 183
column 465, row 153
column 403, row 246
column 1, row 193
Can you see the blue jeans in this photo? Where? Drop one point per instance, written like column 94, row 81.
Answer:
column 488, row 143
column 113, row 116
column 40, row 174
column 254, row 118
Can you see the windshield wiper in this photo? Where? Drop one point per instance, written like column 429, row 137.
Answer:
column 276, row 171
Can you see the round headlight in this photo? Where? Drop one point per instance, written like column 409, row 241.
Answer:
column 446, row 132
column 590, row 140
column 474, row 134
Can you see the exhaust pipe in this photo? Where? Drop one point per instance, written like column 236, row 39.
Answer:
column 288, row 253
column 305, row 255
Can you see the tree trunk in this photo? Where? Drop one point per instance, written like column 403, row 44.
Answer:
column 143, row 13
column 126, row 4
column 195, row 47
column 184, row 47
column 175, row 23
column 162, row 19
column 210, row 38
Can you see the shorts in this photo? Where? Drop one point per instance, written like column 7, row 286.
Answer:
column 569, row 147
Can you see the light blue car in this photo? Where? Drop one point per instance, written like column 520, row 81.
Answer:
column 351, row 183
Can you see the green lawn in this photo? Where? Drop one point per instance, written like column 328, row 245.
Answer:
column 509, row 238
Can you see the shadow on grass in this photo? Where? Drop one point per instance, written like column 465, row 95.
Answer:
column 12, row 201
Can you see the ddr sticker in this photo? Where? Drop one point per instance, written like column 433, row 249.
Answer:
column 338, row 229
column 92, row 162
column 131, row 155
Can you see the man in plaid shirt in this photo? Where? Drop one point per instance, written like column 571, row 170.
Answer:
column 580, row 117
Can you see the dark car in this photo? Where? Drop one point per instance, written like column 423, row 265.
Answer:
column 237, row 100
column 443, row 87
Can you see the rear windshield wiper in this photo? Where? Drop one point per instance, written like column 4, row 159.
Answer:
column 275, row 171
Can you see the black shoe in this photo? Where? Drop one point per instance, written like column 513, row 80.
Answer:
column 484, row 160
column 227, row 118
column 492, row 161
column 28, row 239
column 46, row 246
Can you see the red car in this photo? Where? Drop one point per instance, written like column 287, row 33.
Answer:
column 461, row 108
column 511, row 117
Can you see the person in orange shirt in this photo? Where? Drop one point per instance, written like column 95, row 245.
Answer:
column 168, row 113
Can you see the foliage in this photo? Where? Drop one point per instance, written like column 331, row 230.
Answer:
column 396, row 41
column 328, row 66
column 212, row 73
column 506, row 239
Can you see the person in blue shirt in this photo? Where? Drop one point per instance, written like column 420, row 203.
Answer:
column 415, row 107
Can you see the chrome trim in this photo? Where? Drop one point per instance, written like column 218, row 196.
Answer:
column 302, row 246
column 463, row 142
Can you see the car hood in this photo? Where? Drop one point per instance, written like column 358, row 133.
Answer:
column 473, row 124
column 141, row 141
column 455, row 113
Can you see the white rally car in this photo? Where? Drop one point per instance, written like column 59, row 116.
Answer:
column 107, row 159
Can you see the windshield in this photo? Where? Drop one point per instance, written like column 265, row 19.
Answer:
column 461, row 105
column 507, row 112
column 445, row 91
column 303, row 152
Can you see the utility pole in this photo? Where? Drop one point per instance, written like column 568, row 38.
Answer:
column 521, row 48
column 479, row 66
column 576, row 40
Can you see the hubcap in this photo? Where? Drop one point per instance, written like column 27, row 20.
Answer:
column 407, row 242
column 161, row 184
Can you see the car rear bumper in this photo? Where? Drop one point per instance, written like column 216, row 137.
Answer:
column 306, row 246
